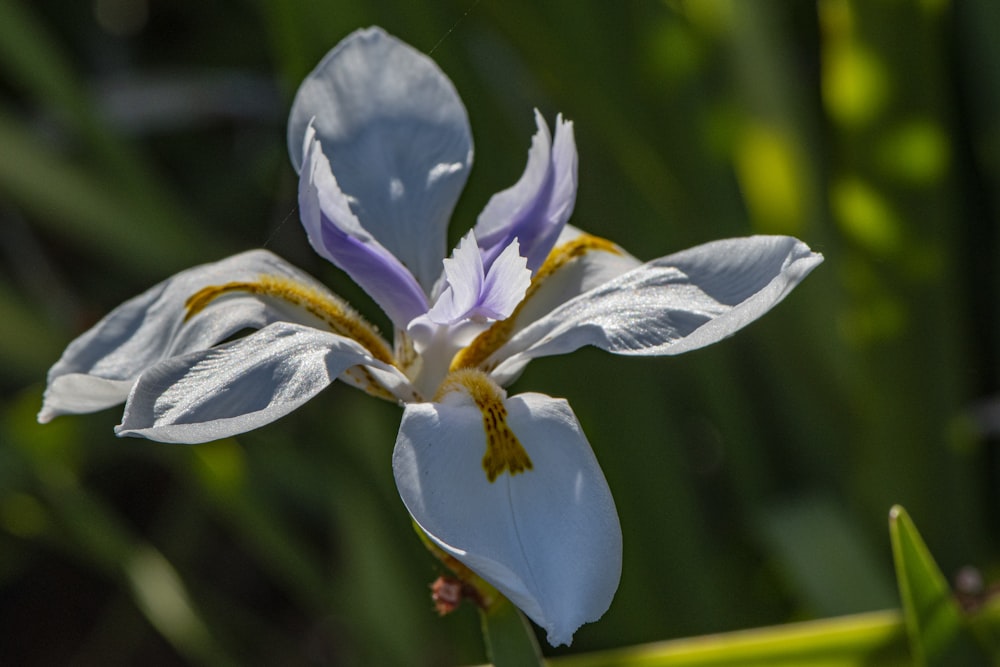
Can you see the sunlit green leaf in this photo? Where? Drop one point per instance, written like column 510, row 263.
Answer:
column 863, row 640
column 937, row 631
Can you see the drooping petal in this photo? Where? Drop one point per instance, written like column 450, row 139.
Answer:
column 547, row 537
column 398, row 139
column 336, row 234
column 670, row 305
column 97, row 369
column 534, row 209
column 236, row 387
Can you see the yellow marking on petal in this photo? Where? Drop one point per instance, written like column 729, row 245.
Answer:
column 363, row 379
column 340, row 317
column 489, row 341
column 503, row 450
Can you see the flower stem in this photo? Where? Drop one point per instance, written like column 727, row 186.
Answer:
column 509, row 637
column 510, row 640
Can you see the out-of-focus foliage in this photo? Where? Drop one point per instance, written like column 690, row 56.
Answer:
column 752, row 478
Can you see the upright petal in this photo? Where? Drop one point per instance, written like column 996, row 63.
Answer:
column 463, row 275
column 336, row 234
column 506, row 283
column 535, row 209
column 237, row 387
column 668, row 306
column 97, row 369
column 471, row 292
column 546, row 536
column 398, row 139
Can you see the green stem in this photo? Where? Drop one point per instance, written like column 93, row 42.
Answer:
column 510, row 640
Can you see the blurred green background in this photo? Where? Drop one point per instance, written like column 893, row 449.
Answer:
column 753, row 478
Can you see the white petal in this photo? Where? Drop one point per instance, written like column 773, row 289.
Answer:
column 463, row 273
column 469, row 294
column 670, row 305
column 535, row 209
column 548, row 538
column 565, row 159
column 503, row 208
column 586, row 271
column 505, row 284
column 237, row 387
column 398, row 140
column 336, row 234
column 79, row 393
column 98, row 368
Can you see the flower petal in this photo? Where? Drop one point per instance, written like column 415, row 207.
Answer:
column 668, row 306
column 336, row 234
column 469, row 293
column 579, row 262
column 97, row 369
column 236, row 387
column 505, row 284
column 398, row 140
column 548, row 538
column 464, row 275
column 534, row 209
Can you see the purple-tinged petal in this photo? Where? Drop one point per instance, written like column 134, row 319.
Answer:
column 336, row 234
column 398, row 139
column 535, row 209
column 472, row 293
column 506, row 282
column 463, row 275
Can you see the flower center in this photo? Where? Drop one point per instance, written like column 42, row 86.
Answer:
column 489, row 341
column 503, row 450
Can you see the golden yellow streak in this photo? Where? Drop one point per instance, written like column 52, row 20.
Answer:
column 340, row 317
column 503, row 450
column 489, row 341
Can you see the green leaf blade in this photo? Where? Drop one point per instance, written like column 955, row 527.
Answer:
column 510, row 640
column 938, row 633
column 859, row 640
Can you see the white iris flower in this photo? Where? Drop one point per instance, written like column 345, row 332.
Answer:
column 507, row 485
